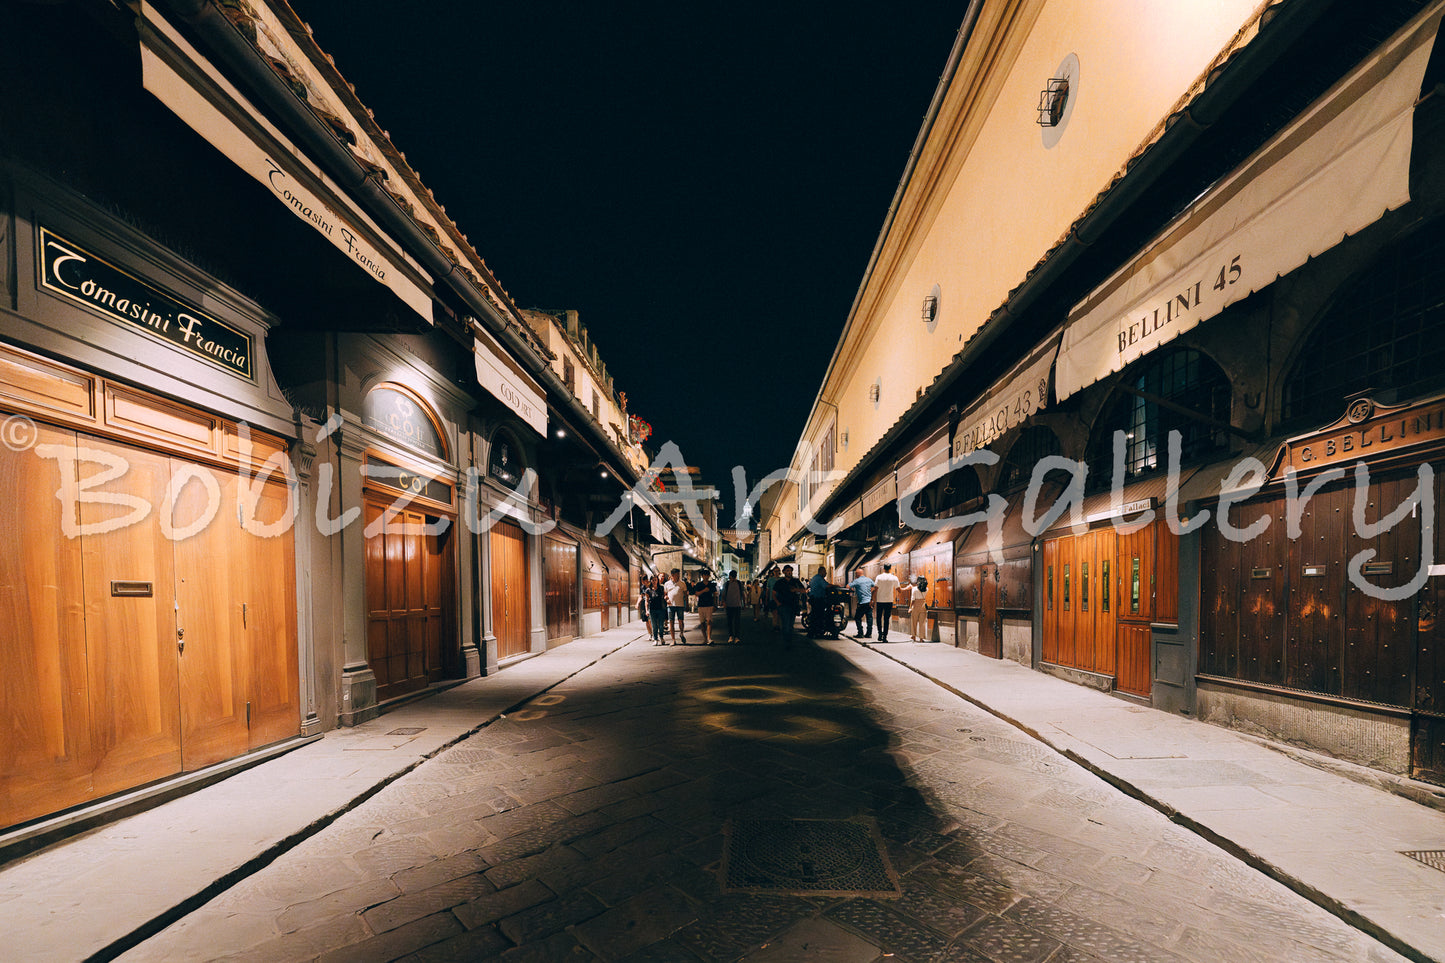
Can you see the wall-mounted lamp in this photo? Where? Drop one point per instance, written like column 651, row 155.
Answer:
column 930, row 309
column 1052, row 100
column 561, row 433
column 875, row 391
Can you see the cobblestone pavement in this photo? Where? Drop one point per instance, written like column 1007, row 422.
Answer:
column 593, row 824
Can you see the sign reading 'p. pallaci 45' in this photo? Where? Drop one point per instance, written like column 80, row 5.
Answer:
column 80, row 276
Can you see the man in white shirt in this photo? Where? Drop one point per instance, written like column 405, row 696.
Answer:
column 677, row 604
column 884, row 588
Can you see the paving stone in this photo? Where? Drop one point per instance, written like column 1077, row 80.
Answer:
column 815, row 940
column 1085, row 934
column 399, row 942
column 439, row 871
column 635, row 876
column 990, row 895
column 507, row 902
column 1005, row 941
column 558, row 948
column 531, row 867
column 889, row 930
column 413, row 906
column 465, row 947
column 738, row 922
column 311, row 912
column 550, row 917
column 936, row 910
column 639, row 922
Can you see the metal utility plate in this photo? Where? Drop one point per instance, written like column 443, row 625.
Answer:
column 807, row 857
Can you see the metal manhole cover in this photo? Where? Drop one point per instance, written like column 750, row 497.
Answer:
column 807, row 857
column 1434, row 858
column 409, row 731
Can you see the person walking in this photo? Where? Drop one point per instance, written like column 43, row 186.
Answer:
column 640, row 603
column 885, row 587
column 818, row 587
column 770, row 604
column 862, row 587
column 733, row 599
column 918, row 610
column 706, row 594
column 787, row 594
column 676, row 605
column 657, row 610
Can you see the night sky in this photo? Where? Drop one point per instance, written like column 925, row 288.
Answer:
column 704, row 184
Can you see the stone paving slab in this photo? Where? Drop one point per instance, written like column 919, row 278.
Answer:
column 1326, row 836
column 77, row 898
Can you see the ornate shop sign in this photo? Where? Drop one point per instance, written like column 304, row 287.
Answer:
column 73, row 273
column 1366, row 431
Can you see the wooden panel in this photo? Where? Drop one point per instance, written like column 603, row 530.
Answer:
column 1067, row 585
column 149, row 416
column 1016, row 585
column 268, row 622
column 1085, row 584
column 1220, row 583
column 1104, row 588
column 1133, row 674
column 966, row 589
column 130, row 641
column 1137, row 577
column 46, row 753
column 1262, row 586
column 511, row 614
column 1050, row 562
column 936, row 565
column 210, row 565
column 560, row 561
column 990, row 640
column 40, row 385
column 1317, row 579
column 1379, row 644
column 1166, row 568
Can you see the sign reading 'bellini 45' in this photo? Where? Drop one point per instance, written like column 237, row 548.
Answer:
column 76, row 274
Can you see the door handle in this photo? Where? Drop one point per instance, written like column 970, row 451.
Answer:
column 180, row 641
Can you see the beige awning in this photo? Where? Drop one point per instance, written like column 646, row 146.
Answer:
column 1339, row 167
column 1020, row 393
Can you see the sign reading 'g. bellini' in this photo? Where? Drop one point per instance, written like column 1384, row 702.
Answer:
column 76, row 274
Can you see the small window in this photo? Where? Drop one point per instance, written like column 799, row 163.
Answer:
column 1083, row 586
column 1050, row 586
column 1104, row 585
column 1134, row 584
column 1066, row 588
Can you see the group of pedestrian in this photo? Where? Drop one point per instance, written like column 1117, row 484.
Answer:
column 880, row 595
column 662, row 602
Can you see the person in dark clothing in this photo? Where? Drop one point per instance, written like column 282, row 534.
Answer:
column 657, row 609
column 788, row 594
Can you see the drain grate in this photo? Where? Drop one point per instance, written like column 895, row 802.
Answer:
column 1434, row 858
column 807, row 857
column 409, row 731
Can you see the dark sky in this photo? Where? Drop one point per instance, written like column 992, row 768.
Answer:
column 704, row 184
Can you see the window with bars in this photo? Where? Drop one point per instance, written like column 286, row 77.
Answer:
column 1180, row 390
column 1033, row 444
column 1381, row 334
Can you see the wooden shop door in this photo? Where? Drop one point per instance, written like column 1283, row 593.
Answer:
column 407, row 562
column 511, row 590
column 137, row 645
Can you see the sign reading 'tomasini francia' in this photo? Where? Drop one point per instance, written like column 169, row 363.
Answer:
column 74, row 273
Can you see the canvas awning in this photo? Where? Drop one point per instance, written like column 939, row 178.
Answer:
column 1337, row 169
column 197, row 93
column 1023, row 391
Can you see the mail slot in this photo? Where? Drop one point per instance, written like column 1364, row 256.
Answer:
column 1379, row 568
column 1314, row 570
column 131, row 589
column 1260, row 572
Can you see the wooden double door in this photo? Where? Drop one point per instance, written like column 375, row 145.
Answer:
column 559, row 567
column 409, row 609
column 511, row 590
column 148, row 630
column 1102, row 589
